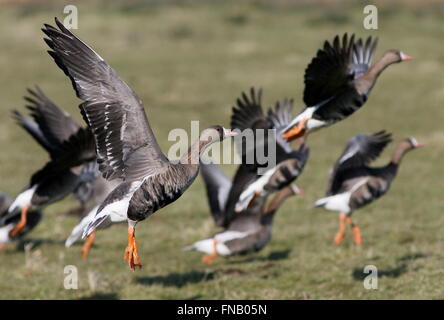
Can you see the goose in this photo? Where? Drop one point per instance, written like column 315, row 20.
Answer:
column 126, row 147
column 69, row 147
column 353, row 184
column 248, row 115
column 338, row 82
column 224, row 196
column 246, row 232
column 8, row 225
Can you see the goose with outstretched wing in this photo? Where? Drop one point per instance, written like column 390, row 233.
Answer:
column 338, row 82
column 125, row 143
column 353, row 184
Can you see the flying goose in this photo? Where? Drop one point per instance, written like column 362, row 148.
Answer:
column 125, row 144
column 8, row 225
column 353, row 184
column 248, row 115
column 69, row 147
column 246, row 232
column 338, row 82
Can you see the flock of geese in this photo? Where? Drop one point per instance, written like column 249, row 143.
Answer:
column 117, row 171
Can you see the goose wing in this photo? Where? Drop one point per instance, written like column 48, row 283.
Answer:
column 33, row 129
column 125, row 144
column 50, row 126
column 331, row 73
column 218, row 187
column 288, row 170
column 248, row 114
column 280, row 117
column 359, row 152
column 78, row 150
column 55, row 124
column 362, row 55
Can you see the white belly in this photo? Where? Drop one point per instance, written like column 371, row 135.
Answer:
column 23, row 199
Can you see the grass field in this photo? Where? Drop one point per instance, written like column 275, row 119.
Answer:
column 190, row 61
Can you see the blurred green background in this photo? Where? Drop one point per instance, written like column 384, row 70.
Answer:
column 189, row 60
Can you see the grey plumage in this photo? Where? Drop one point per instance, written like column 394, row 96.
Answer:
column 124, row 151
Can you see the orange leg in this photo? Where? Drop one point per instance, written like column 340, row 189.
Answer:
column 131, row 255
column 88, row 244
column 356, row 231
column 209, row 258
column 341, row 232
column 296, row 132
column 22, row 223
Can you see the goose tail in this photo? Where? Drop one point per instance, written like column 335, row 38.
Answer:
column 321, row 202
column 78, row 229
column 189, row 248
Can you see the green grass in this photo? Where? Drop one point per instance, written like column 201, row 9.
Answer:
column 189, row 61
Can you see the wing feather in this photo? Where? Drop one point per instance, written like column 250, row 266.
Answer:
column 125, row 144
column 360, row 151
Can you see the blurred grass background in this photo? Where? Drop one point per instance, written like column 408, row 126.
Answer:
column 189, row 60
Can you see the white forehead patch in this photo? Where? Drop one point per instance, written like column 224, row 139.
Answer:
column 413, row 142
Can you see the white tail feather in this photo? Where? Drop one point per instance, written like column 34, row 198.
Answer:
column 78, row 229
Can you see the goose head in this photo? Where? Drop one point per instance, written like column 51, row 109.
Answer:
column 411, row 143
column 394, row 56
column 403, row 147
column 215, row 134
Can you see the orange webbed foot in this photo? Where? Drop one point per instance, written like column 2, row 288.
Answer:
column 208, row 258
column 357, row 235
column 297, row 131
column 339, row 237
column 131, row 254
column 356, row 231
